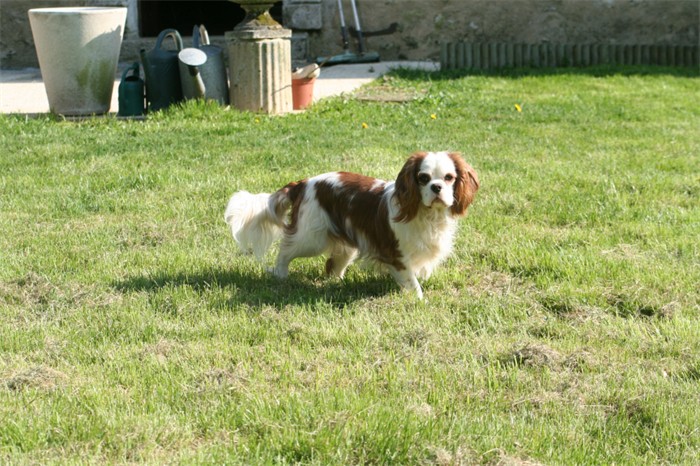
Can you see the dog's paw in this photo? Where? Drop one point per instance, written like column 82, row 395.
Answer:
column 278, row 272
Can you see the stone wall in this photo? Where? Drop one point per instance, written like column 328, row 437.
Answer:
column 422, row 25
column 414, row 29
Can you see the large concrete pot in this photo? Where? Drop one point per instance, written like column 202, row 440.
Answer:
column 78, row 50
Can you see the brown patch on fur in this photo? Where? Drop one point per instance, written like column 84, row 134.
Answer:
column 292, row 194
column 466, row 185
column 329, row 266
column 360, row 200
column 407, row 190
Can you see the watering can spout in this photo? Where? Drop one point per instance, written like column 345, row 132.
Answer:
column 191, row 61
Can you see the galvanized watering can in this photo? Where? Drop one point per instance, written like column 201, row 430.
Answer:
column 214, row 70
column 131, row 93
column 162, row 72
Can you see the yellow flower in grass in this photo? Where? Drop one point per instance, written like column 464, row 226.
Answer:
column 364, row 125
column 433, row 116
column 518, row 107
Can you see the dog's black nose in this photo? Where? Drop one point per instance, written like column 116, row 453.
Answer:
column 436, row 188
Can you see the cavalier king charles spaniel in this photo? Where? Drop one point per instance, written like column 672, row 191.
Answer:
column 407, row 226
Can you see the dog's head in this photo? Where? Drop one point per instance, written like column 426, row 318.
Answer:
column 435, row 180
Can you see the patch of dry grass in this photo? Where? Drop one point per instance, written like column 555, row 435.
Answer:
column 40, row 378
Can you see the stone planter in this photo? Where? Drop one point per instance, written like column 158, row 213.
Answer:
column 78, row 51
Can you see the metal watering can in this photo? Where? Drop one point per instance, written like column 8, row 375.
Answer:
column 131, row 95
column 160, row 66
column 191, row 62
column 213, row 71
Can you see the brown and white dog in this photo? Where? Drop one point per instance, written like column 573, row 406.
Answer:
column 407, row 226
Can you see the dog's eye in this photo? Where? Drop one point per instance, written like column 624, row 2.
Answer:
column 449, row 177
column 423, row 178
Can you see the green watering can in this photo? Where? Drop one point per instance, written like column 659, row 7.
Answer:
column 162, row 72
column 131, row 93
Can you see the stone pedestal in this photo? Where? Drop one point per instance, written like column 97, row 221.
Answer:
column 260, row 66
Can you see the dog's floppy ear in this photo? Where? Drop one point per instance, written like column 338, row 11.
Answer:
column 466, row 186
column 407, row 191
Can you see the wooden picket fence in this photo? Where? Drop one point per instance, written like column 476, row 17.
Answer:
column 485, row 56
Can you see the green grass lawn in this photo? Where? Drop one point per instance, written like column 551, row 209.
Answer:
column 565, row 328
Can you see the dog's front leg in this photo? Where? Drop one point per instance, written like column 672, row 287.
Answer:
column 407, row 280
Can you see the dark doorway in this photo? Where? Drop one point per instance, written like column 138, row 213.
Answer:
column 218, row 16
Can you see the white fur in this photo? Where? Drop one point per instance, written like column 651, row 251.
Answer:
column 252, row 224
column 426, row 240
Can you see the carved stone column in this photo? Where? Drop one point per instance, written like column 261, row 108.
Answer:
column 260, row 61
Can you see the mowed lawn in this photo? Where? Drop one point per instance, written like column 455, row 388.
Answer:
column 564, row 329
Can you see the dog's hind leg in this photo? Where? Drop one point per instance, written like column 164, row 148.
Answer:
column 290, row 249
column 341, row 257
column 307, row 235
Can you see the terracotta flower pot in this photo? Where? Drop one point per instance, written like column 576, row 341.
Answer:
column 78, row 50
column 302, row 92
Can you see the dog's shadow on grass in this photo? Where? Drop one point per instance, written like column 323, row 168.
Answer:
column 258, row 288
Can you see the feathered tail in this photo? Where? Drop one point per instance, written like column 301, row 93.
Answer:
column 256, row 220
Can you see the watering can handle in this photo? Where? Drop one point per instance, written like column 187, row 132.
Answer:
column 205, row 35
column 195, row 36
column 134, row 67
column 197, row 33
column 172, row 33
